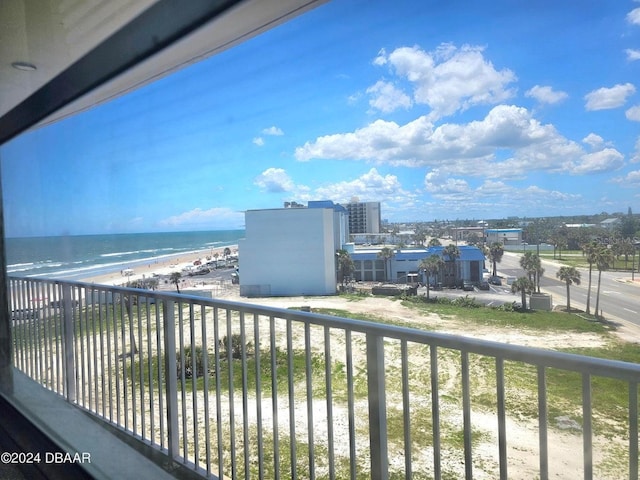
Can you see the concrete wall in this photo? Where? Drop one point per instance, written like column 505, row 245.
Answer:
column 288, row 252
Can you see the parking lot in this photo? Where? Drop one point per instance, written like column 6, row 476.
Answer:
column 495, row 296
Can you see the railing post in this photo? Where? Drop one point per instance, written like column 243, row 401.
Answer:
column 171, row 380
column 377, row 408
column 68, row 339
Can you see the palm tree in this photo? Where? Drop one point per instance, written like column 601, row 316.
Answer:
column 431, row 266
column 623, row 247
column 226, row 253
column 386, row 254
column 590, row 249
column 453, row 253
column 559, row 242
column 175, row 279
column 419, row 237
column 496, row 251
column 604, row 259
column 474, row 239
column 523, row 285
column 434, row 242
column 569, row 275
column 345, row 265
column 539, row 272
column 562, row 243
column 531, row 263
column 151, row 283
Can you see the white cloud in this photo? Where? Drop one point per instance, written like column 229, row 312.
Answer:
column 593, row 140
column 354, row 99
column 636, row 154
column 444, row 187
column 380, row 141
column 274, row 180
column 368, row 187
column 212, row 218
column 387, row 98
column 633, row 16
column 607, row 98
column 491, row 188
column 633, row 113
column 546, row 94
column 632, row 55
column 631, row 179
column 605, row 160
column 455, row 195
column 273, row 131
column 551, row 197
column 381, row 59
column 449, row 79
column 481, row 147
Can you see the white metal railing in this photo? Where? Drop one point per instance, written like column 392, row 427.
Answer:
column 241, row 391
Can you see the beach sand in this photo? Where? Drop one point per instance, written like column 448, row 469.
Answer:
column 161, row 266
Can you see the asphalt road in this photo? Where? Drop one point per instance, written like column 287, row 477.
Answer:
column 619, row 297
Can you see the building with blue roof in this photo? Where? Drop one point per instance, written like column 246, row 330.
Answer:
column 369, row 267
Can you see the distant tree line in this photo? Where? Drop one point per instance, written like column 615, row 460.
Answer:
column 551, row 230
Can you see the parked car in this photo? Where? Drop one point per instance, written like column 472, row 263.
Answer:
column 467, row 286
column 495, row 281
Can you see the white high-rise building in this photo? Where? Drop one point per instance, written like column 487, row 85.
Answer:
column 364, row 217
column 291, row 251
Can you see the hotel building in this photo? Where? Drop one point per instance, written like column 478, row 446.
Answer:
column 364, row 217
column 292, row 251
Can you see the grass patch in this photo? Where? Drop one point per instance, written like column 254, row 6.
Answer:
column 90, row 321
column 564, row 391
column 576, row 258
column 532, row 320
column 610, row 397
column 232, row 373
column 354, row 296
column 370, row 317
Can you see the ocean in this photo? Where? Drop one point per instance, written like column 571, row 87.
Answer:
column 81, row 256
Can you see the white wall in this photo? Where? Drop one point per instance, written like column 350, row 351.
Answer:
column 506, row 237
column 288, row 252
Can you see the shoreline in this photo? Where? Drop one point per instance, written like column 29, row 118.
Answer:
column 164, row 265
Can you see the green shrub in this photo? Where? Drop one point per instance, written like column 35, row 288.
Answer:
column 236, row 346
column 466, row 302
column 508, row 307
column 189, row 368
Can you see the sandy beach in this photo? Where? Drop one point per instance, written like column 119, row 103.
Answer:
column 160, row 266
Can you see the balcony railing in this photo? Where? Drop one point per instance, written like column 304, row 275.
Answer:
column 241, row 391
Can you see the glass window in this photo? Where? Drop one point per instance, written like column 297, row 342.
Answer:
column 192, row 151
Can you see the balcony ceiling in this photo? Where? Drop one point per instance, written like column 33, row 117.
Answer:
column 52, row 35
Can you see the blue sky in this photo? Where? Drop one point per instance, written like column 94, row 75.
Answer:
column 439, row 110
